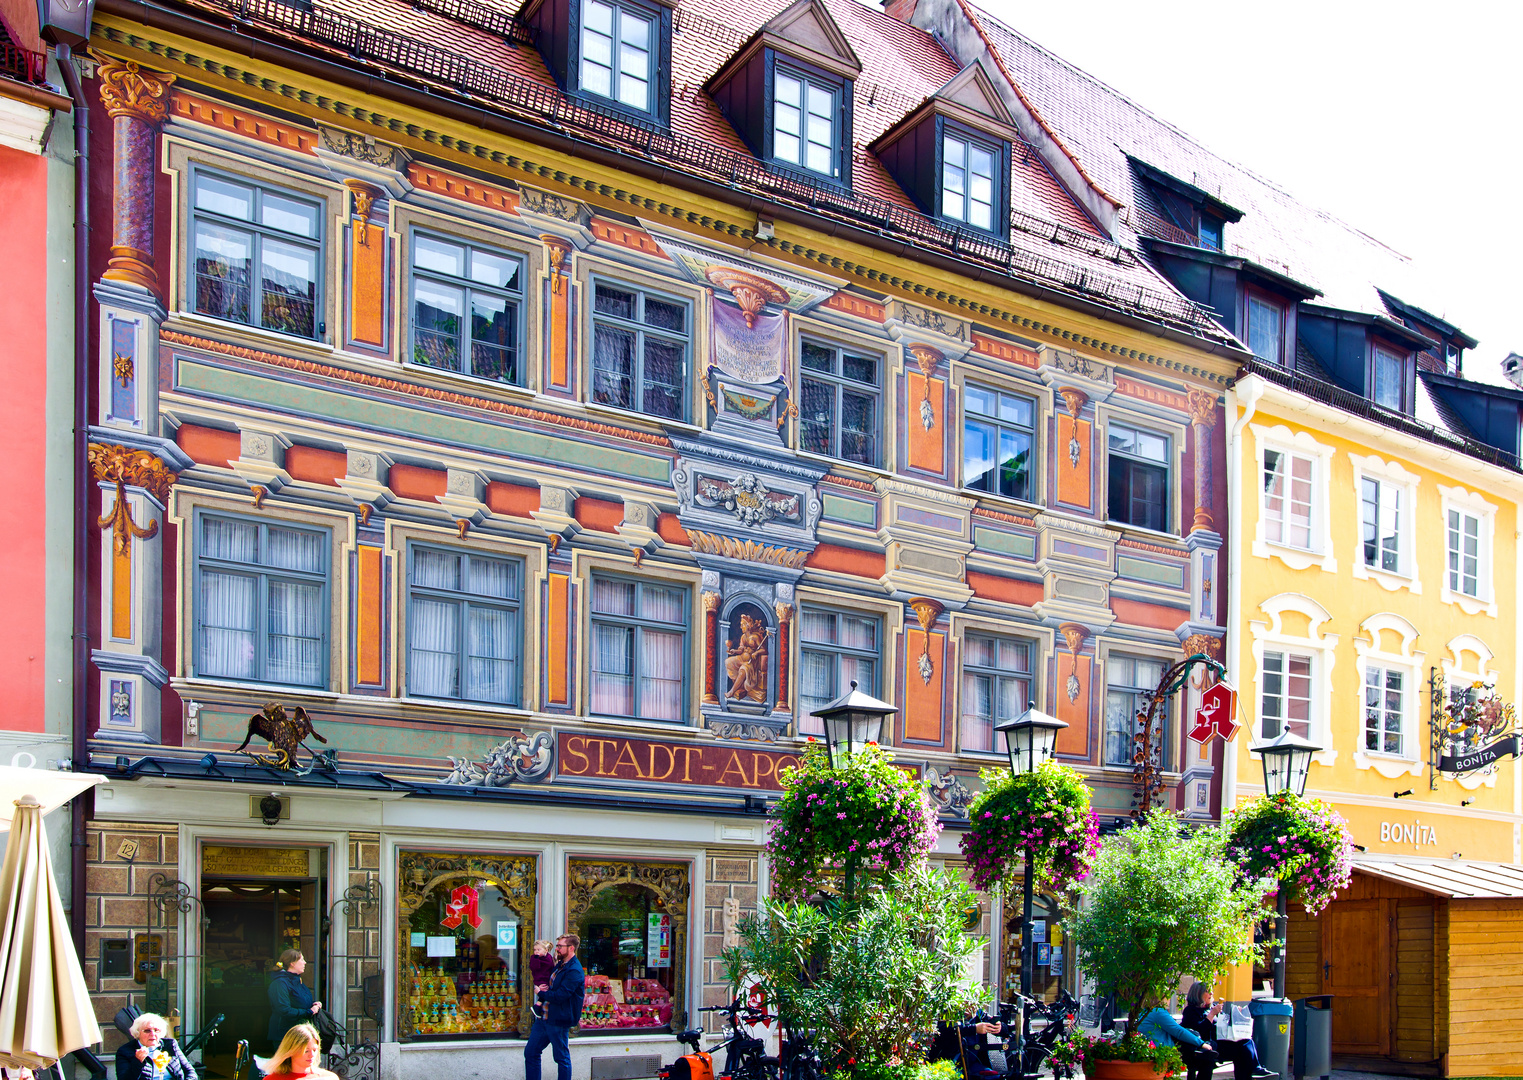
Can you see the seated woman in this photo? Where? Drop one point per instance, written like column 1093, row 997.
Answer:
column 1161, row 1027
column 1200, row 1017
column 297, row 1057
column 964, row 1043
column 150, row 1054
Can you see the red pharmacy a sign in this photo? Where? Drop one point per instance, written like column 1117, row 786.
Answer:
column 1217, row 714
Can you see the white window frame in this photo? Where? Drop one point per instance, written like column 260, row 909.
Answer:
column 1320, row 555
column 1391, row 473
column 1375, row 633
column 621, row 10
column 1271, row 635
column 1457, row 669
column 1462, row 501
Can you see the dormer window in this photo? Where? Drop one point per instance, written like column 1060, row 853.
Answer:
column 1266, row 329
column 970, row 179
column 1209, row 232
column 617, row 58
column 1176, row 212
column 805, row 127
column 1391, row 381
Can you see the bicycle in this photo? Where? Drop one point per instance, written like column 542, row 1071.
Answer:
column 1059, row 1017
column 745, row 1055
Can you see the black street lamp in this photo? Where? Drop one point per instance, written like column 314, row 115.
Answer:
column 1031, row 739
column 1287, row 761
column 851, row 722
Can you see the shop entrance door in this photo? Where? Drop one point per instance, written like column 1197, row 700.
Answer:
column 247, row 924
column 1356, row 960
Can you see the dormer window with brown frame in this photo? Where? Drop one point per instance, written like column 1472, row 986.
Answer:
column 611, row 54
column 1392, row 374
column 788, row 92
column 1264, row 327
column 952, row 154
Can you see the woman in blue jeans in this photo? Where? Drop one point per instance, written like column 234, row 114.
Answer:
column 1200, row 1016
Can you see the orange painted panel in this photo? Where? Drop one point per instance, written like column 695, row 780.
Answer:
column 316, row 466
column 121, row 592
column 927, row 448
column 1074, row 739
column 847, row 560
column 923, row 700
column 367, row 284
column 513, row 500
column 1156, row 616
column 1074, row 487
column 368, row 622
column 671, row 530
column 208, row 446
column 1008, row 590
column 600, row 515
column 559, row 362
column 415, row 482
column 559, row 688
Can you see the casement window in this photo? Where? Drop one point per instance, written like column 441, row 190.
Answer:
column 1128, row 680
column 1392, row 379
column 639, row 649
column 806, row 114
column 1285, row 695
column 996, row 686
column 1466, row 566
column 836, row 648
column 619, row 50
column 257, row 253
column 464, row 626
column 1266, row 330
column 1288, row 498
column 1208, row 233
column 261, row 603
column 971, row 184
column 998, row 436
column 1385, row 691
column 839, row 401
column 640, row 346
column 1380, row 513
column 1139, row 477
column 466, row 301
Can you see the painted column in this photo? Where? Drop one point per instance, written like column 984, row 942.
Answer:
column 1202, row 421
column 711, row 648
column 137, row 102
column 784, row 623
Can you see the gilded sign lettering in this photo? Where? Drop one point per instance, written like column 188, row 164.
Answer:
column 603, row 758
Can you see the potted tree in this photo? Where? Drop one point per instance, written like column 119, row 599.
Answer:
column 1162, row 902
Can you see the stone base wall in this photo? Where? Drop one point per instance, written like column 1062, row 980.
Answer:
column 730, row 894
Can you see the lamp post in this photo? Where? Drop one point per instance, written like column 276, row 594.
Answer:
column 1030, row 739
column 852, row 721
column 1287, row 761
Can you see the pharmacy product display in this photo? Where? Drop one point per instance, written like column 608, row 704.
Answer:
column 467, row 1002
column 630, row 1003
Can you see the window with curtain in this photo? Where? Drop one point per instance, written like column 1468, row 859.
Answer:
column 639, row 649
column 618, row 53
column 465, row 308
column 640, row 348
column 804, row 111
column 464, row 626
column 1391, row 380
column 996, row 686
column 1380, row 524
column 1287, row 498
column 1384, row 705
column 261, row 601
column 1285, row 701
column 257, row 254
column 835, row 649
column 838, row 411
column 1139, row 477
column 1465, row 562
column 1128, row 679
column 997, row 440
column 1266, row 330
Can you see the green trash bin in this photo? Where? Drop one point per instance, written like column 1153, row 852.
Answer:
column 1314, row 1037
column 1271, row 1033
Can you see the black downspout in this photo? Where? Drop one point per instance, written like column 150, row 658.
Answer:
column 78, row 809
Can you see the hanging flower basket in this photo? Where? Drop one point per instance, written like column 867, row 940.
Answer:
column 1303, row 844
column 1046, row 811
column 869, row 816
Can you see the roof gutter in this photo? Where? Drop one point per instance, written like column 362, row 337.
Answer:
column 257, row 49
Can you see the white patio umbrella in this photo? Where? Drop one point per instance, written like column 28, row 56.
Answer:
column 45, row 1009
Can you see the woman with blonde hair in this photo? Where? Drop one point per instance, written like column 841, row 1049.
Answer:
column 297, row 1057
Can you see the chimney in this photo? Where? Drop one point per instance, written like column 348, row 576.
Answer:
column 903, row 10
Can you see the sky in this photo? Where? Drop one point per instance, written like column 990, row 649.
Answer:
column 1403, row 120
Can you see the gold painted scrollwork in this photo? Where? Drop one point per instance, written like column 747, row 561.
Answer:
column 128, row 468
column 128, row 90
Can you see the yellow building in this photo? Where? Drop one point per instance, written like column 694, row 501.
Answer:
column 1375, row 595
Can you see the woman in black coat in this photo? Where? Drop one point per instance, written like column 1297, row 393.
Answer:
column 291, row 1003
column 1200, row 1017
column 138, row 1058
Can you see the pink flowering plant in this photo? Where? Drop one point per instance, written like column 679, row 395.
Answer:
column 1303, row 844
column 1046, row 812
column 1166, row 1060
column 868, row 816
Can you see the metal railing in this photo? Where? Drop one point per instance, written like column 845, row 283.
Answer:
column 22, row 65
column 547, row 106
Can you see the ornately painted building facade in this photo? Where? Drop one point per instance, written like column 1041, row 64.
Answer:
column 556, row 434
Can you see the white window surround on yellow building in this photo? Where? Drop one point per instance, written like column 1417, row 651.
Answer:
column 1469, row 662
column 1321, row 646
column 1302, row 443
column 1469, row 502
column 1372, row 652
column 1393, row 474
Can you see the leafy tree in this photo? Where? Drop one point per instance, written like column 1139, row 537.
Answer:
column 1164, row 903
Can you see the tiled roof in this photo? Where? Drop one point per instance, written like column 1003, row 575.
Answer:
column 481, row 49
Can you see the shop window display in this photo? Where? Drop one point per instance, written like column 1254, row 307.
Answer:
column 466, row 926
column 632, row 919
column 1050, row 947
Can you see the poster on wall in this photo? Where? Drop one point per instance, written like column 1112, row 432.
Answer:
column 1038, row 929
column 507, row 935
column 1055, row 965
column 658, row 940
column 1043, row 954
